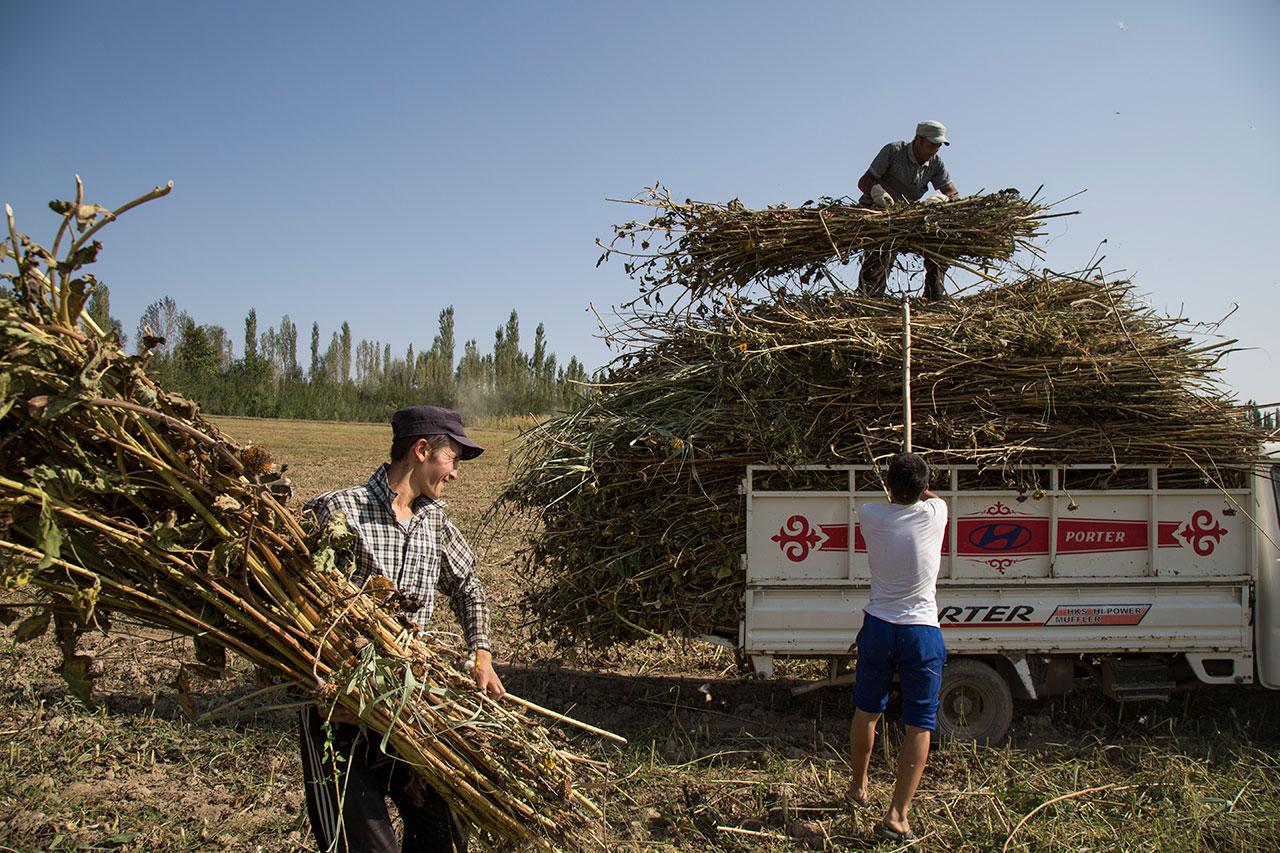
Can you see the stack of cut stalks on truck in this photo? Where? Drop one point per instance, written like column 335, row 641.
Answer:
column 120, row 502
column 636, row 495
column 695, row 248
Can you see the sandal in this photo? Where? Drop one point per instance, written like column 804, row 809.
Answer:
column 889, row 834
column 856, row 802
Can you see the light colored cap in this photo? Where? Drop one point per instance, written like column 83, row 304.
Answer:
column 934, row 131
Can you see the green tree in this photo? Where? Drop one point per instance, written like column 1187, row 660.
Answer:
column 510, row 368
column 314, row 373
column 99, row 309
column 474, row 380
column 542, row 372
column 332, row 357
column 251, row 334
column 195, row 353
column 221, row 343
column 160, row 319
column 346, row 353
column 269, row 347
column 572, row 384
column 435, row 367
column 289, row 367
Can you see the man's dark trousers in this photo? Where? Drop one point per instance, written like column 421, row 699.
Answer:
column 875, row 271
column 368, row 775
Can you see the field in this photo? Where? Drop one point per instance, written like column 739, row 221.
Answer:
column 714, row 762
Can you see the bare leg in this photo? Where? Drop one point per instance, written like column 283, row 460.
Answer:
column 862, row 736
column 911, row 758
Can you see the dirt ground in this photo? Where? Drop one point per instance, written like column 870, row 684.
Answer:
column 715, row 761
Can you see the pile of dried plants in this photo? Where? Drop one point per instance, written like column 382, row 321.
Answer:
column 701, row 247
column 640, row 521
column 119, row 501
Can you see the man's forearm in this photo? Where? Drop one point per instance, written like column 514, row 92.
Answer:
column 867, row 181
column 475, row 624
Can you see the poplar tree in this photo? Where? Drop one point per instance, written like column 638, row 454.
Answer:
column 332, row 357
column 99, row 309
column 346, row 353
column 314, row 373
column 251, row 335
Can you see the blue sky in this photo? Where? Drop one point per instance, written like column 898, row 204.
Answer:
column 376, row 162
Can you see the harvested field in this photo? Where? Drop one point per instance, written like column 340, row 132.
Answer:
column 740, row 766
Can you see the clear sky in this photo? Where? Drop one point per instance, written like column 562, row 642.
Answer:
column 376, row 162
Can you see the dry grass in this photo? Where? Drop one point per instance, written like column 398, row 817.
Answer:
column 1200, row 773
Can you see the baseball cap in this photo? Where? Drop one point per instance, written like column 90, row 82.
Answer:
column 934, row 131
column 432, row 420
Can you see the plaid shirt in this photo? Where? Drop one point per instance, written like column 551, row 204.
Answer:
column 427, row 554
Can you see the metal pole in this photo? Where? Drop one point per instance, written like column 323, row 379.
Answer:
column 906, row 373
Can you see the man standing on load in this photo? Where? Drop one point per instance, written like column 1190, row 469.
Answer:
column 899, row 633
column 901, row 174
column 402, row 534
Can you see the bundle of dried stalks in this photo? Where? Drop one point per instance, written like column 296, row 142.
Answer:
column 119, row 500
column 641, row 523
column 703, row 247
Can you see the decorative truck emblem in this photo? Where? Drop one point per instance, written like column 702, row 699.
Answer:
column 1203, row 539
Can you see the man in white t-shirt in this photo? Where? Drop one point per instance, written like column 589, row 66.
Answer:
column 900, row 633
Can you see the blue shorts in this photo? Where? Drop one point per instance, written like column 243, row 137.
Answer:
column 916, row 652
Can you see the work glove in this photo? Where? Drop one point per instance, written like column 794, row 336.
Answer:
column 937, row 198
column 879, row 197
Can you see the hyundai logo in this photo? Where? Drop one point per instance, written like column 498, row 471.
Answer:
column 1000, row 536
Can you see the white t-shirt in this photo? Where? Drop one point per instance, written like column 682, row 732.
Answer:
column 904, row 547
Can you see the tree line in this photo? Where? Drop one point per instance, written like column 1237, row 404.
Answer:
column 341, row 378
column 366, row 381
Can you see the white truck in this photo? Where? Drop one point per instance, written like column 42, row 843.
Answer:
column 1144, row 576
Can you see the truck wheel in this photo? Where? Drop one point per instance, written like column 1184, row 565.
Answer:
column 975, row 703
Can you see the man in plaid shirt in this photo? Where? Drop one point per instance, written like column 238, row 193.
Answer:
column 402, row 534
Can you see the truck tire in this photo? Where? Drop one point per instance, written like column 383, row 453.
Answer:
column 975, row 703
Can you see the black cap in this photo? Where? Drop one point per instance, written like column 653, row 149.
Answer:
column 432, row 420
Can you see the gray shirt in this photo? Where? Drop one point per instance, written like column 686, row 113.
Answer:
column 896, row 169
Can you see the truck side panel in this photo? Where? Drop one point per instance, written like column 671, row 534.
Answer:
column 1111, row 619
column 999, row 537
